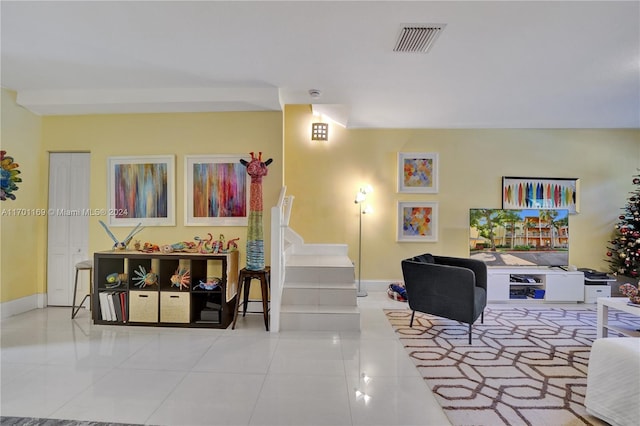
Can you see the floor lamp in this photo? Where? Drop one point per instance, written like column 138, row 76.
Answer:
column 361, row 196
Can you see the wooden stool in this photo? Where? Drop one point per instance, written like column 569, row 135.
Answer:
column 244, row 285
column 85, row 265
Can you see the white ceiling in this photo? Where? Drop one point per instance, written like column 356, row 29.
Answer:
column 504, row 64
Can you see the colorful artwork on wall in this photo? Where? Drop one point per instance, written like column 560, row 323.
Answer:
column 216, row 190
column 141, row 190
column 417, row 222
column 418, row 172
column 8, row 177
column 540, row 193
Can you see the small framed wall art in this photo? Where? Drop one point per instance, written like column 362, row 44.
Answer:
column 141, row 190
column 216, row 190
column 417, row 221
column 418, row 172
column 541, row 193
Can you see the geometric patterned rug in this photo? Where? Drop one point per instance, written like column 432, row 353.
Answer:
column 525, row 365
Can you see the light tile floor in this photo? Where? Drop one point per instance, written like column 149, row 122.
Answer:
column 55, row 367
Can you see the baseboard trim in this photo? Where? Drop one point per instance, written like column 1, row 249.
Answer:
column 36, row 301
column 376, row 285
column 24, row 304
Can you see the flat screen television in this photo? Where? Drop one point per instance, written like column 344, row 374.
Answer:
column 527, row 237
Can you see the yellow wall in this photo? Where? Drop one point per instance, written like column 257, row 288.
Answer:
column 162, row 134
column 324, row 178
column 21, row 231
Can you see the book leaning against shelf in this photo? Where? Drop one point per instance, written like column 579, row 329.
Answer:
column 113, row 306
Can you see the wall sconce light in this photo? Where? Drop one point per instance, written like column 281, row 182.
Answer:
column 361, row 197
column 319, row 131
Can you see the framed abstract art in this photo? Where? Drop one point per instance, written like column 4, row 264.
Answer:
column 141, row 190
column 541, row 193
column 216, row 190
column 418, row 172
column 417, row 221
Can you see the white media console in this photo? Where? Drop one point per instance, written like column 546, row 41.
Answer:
column 526, row 284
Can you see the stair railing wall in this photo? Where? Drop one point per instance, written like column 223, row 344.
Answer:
column 280, row 215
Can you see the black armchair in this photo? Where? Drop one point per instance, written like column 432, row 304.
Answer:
column 449, row 287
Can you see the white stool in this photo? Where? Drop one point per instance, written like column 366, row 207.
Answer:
column 85, row 265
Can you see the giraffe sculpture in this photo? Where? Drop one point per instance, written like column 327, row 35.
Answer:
column 257, row 169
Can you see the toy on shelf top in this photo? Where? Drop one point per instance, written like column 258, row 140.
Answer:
column 182, row 246
column 202, row 245
column 232, row 245
column 209, row 245
column 150, row 248
column 122, row 245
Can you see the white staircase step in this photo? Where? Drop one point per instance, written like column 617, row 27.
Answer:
column 319, row 291
column 298, row 260
column 319, row 318
column 322, row 249
column 319, row 294
column 325, row 269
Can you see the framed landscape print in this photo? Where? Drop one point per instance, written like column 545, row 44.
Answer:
column 216, row 190
column 417, row 222
column 541, row 193
column 141, row 190
column 418, row 172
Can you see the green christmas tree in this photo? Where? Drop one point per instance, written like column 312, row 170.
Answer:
column 623, row 253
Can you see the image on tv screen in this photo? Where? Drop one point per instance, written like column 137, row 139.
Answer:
column 527, row 237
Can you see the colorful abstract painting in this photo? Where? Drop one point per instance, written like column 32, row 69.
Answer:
column 417, row 221
column 540, row 193
column 418, row 172
column 141, row 191
column 217, row 191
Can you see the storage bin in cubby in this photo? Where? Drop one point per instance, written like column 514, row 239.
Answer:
column 143, row 306
column 174, row 307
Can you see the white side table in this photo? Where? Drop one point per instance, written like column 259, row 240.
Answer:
column 621, row 304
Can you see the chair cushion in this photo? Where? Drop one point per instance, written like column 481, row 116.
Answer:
column 424, row 258
column 85, row 264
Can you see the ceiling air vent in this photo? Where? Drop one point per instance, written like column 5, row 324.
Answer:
column 417, row 37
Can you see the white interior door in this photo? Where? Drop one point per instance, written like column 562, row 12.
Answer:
column 68, row 226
